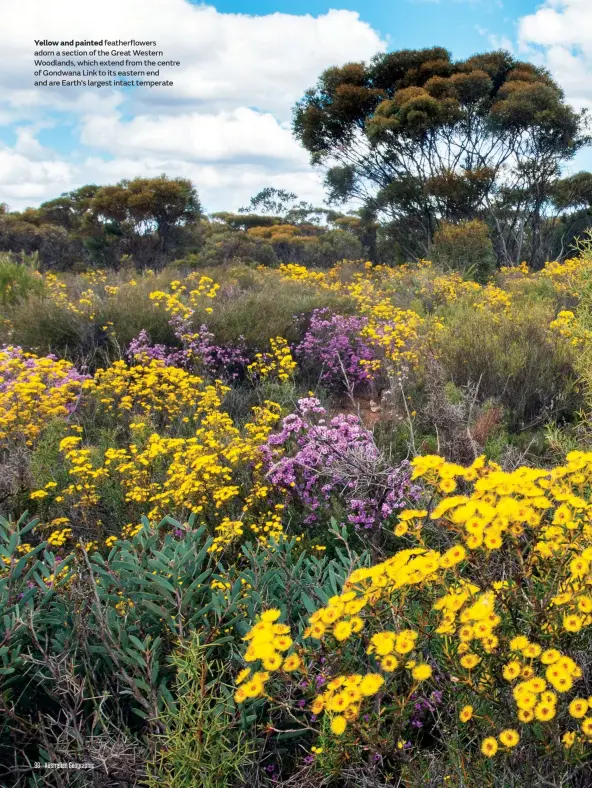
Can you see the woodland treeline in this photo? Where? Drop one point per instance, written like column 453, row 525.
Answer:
column 462, row 162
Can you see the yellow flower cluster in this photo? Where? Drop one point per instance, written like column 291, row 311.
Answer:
column 566, row 276
column 201, row 472
column 268, row 643
column 34, row 391
column 498, row 610
column 183, row 299
column 494, row 300
column 279, row 363
column 397, row 334
column 150, row 390
column 446, row 288
column 300, row 273
column 567, row 325
column 59, row 538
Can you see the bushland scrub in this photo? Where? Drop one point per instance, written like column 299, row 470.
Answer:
column 296, row 526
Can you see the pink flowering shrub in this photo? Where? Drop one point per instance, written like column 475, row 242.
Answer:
column 322, row 463
column 334, row 348
column 227, row 362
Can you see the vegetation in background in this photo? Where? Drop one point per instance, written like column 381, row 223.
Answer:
column 283, row 502
column 365, row 496
column 423, row 139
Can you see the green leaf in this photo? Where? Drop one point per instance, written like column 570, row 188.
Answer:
column 136, row 657
column 137, row 643
column 28, row 527
column 12, row 543
column 307, row 602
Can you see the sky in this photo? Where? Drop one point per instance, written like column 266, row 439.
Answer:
column 225, row 123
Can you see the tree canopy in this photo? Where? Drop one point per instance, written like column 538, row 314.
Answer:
column 143, row 217
column 422, row 139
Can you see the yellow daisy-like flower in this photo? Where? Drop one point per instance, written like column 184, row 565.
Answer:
column 578, row 708
column 509, row 737
column 401, row 529
column 545, row 711
column 421, row 672
column 525, row 715
column 371, row 683
column 282, row 642
column 447, row 485
column 568, row 739
column 586, row 726
column 470, row 661
column 357, row 624
column 537, row 685
column 252, row 688
column 489, row 747
column 518, row 643
column 549, row 697
column 383, row 643
column 527, row 700
column 532, row 650
column 466, row 713
column 317, row 705
column 404, row 644
column 342, row 630
column 317, row 630
column 511, row 670
column 338, row 725
column 550, row 656
column 273, row 662
column 572, row 623
column 291, row 663
column 389, row 663
column 271, row 615
column 338, row 702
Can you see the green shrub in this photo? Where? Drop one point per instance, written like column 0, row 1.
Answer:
column 203, row 743
column 87, row 641
column 268, row 311
column 512, row 358
column 17, row 281
column 465, row 247
column 46, row 326
column 43, row 326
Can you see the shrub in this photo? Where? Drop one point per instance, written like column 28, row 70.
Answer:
column 33, row 391
column 86, row 325
column 17, row 281
column 470, row 644
column 279, row 301
column 203, row 743
column 333, row 350
column 316, row 462
column 156, row 439
column 512, row 357
column 465, row 247
column 85, row 667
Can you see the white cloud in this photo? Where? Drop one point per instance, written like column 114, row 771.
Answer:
column 497, row 41
column 559, row 36
column 225, row 123
column 224, row 136
column 24, row 180
column 226, row 59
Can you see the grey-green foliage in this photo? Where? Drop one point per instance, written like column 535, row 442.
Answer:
column 18, row 279
column 86, row 641
column 203, row 743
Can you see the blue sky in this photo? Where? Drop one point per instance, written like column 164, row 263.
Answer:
column 244, row 63
column 459, row 25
